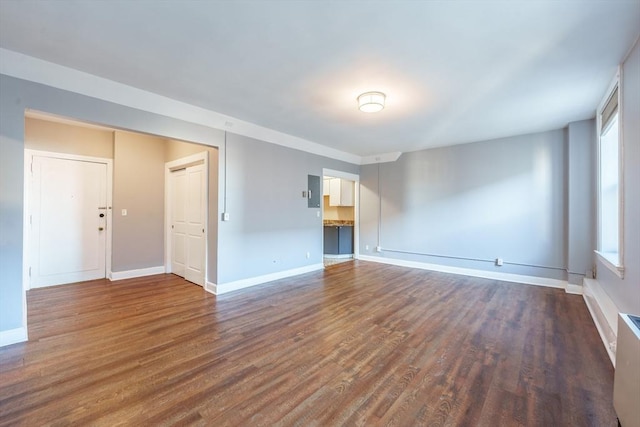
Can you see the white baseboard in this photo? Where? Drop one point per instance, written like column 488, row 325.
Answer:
column 210, row 287
column 505, row 277
column 130, row 274
column 13, row 336
column 574, row 289
column 343, row 256
column 252, row 281
column 604, row 313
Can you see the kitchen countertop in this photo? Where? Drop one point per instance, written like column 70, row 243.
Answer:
column 338, row 223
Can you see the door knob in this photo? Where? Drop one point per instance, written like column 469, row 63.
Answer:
column 100, row 228
column 101, row 215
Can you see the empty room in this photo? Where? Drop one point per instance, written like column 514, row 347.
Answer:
column 320, row 213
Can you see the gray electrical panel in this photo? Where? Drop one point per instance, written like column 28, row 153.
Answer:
column 314, row 191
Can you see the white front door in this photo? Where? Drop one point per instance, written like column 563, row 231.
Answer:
column 188, row 215
column 68, row 215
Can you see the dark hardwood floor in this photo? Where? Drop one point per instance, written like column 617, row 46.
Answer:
column 357, row 344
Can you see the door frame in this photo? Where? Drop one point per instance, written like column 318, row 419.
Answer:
column 356, row 205
column 184, row 162
column 26, row 230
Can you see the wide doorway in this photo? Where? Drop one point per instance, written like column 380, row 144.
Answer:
column 94, row 203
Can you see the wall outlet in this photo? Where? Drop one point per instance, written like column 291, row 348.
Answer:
column 225, row 216
column 318, row 214
column 366, row 247
column 499, row 262
column 124, row 212
column 308, row 255
column 378, row 248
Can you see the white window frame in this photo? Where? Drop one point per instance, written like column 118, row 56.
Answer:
column 611, row 264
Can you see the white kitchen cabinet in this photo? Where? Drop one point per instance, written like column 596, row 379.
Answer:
column 340, row 192
column 326, row 183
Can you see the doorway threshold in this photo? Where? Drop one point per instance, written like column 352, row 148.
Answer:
column 337, row 259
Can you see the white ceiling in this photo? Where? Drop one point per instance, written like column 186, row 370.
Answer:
column 453, row 71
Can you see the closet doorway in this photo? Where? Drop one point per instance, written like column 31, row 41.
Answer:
column 186, row 213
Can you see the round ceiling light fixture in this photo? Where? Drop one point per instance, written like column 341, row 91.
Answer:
column 371, row 102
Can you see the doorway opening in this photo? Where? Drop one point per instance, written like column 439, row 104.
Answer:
column 124, row 235
column 186, row 212
column 340, row 195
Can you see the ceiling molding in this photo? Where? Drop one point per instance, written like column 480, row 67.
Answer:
column 381, row 158
column 48, row 117
column 36, row 70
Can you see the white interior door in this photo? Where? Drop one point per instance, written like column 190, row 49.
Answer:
column 178, row 222
column 188, row 218
column 68, row 221
column 195, row 210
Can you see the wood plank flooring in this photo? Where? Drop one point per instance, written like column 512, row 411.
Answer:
column 356, row 344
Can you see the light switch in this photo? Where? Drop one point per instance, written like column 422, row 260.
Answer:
column 124, row 212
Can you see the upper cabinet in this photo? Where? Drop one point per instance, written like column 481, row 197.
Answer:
column 326, row 184
column 340, row 192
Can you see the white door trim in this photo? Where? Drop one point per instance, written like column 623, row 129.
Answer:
column 356, row 206
column 195, row 159
column 26, row 252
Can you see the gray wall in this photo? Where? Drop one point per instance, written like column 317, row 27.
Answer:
column 625, row 293
column 138, row 187
column 271, row 228
column 581, row 199
column 11, row 202
column 466, row 205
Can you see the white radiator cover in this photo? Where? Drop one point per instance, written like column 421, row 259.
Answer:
column 626, row 385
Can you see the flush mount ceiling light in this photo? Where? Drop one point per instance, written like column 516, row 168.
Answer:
column 371, row 102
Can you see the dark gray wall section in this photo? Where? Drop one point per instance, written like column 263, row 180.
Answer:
column 466, row 205
column 271, row 228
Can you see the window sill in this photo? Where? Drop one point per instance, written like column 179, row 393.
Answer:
column 610, row 261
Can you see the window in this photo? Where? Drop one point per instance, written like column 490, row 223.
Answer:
column 610, row 182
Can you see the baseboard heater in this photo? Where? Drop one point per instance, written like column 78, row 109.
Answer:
column 626, row 382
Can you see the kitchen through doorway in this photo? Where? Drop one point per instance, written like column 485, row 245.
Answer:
column 338, row 219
